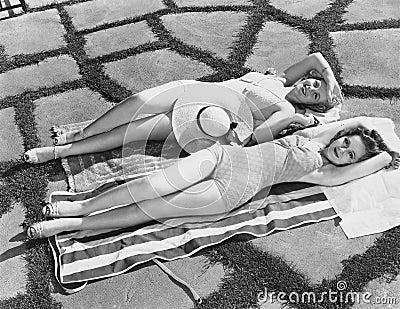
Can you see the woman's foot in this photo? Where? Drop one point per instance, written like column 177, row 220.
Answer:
column 60, row 209
column 42, row 229
column 62, row 138
column 40, row 155
column 51, row 210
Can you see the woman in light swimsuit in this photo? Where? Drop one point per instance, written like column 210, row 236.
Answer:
column 277, row 102
column 220, row 178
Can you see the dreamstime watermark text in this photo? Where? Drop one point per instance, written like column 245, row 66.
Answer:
column 339, row 295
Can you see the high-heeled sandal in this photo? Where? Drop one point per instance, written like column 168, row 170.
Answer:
column 35, row 231
column 51, row 210
column 56, row 133
column 82, row 133
column 55, row 130
column 31, row 156
column 61, row 138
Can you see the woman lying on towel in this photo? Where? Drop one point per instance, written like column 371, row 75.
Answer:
column 220, row 178
column 276, row 101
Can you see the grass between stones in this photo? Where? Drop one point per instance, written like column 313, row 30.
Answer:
column 250, row 270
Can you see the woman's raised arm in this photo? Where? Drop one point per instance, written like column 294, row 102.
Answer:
column 323, row 134
column 331, row 175
column 298, row 70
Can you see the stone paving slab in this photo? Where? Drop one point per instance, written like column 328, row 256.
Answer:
column 67, row 107
column 197, row 272
column 32, row 33
column 304, row 8
column 39, row 3
column 368, row 10
column 181, row 3
column 273, row 38
column 316, row 250
column 94, row 13
column 48, row 73
column 151, row 69
column 369, row 58
column 148, row 287
column 214, row 31
column 10, row 138
column 119, row 38
column 12, row 266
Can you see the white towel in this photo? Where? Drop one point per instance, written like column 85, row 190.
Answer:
column 371, row 204
column 368, row 205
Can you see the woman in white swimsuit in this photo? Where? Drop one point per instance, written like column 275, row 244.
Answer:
column 275, row 99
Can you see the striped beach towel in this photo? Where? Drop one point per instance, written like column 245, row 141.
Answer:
column 87, row 255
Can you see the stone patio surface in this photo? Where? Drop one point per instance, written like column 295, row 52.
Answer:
column 368, row 58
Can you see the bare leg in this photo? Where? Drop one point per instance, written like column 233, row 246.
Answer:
column 181, row 175
column 156, row 127
column 155, row 100
column 201, row 199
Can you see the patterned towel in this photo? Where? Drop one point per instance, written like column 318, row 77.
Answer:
column 87, row 255
column 89, row 171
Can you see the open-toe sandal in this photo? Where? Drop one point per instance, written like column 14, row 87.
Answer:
column 60, row 139
column 35, row 231
column 51, row 210
column 31, row 156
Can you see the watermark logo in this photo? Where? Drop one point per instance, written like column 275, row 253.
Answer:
column 339, row 295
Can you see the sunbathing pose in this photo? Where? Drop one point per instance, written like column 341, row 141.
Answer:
column 220, row 178
column 275, row 102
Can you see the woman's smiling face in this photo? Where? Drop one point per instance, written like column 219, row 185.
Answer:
column 345, row 150
column 309, row 91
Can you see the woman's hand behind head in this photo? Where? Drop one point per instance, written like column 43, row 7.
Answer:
column 334, row 92
column 395, row 163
